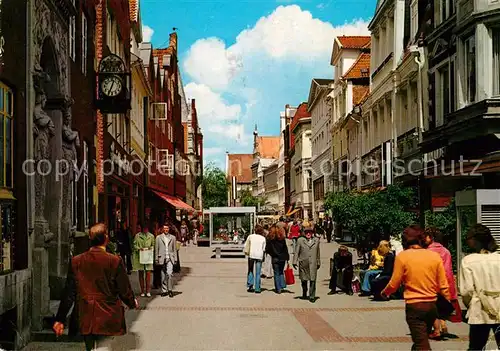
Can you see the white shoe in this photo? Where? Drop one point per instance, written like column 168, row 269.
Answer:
column 143, row 295
column 148, row 294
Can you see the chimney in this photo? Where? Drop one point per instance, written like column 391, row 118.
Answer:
column 173, row 41
column 193, row 104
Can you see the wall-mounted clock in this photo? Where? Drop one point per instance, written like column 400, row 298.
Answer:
column 112, row 85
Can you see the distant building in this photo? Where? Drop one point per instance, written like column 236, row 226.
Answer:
column 300, row 167
column 266, row 151
column 321, row 123
column 239, row 176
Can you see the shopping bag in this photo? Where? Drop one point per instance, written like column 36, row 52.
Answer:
column 289, row 277
column 146, row 257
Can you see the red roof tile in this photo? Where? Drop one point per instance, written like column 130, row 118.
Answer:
column 354, row 42
column 300, row 114
column 240, row 166
column 360, row 68
column 268, row 146
column 359, row 93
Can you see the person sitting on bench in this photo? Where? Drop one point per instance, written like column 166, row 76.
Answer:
column 380, row 281
column 342, row 271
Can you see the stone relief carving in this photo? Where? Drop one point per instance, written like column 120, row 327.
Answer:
column 43, row 131
column 48, row 25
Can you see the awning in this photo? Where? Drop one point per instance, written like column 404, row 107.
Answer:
column 179, row 204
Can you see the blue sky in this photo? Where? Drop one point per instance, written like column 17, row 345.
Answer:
column 244, row 60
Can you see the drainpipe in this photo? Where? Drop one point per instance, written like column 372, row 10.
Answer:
column 420, row 60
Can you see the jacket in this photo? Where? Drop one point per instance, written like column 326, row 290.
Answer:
column 256, row 245
column 165, row 249
column 308, row 257
column 388, row 269
column 278, row 249
column 480, row 287
column 445, row 255
column 98, row 283
column 294, row 231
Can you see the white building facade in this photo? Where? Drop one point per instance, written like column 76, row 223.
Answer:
column 320, row 110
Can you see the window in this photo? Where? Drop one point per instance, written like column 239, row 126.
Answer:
column 470, row 68
column 444, row 10
column 84, row 44
column 74, row 199
column 6, row 114
column 444, row 90
column 170, row 133
column 109, row 30
column 496, row 61
column 7, row 237
column 165, row 161
column 71, row 38
column 414, row 19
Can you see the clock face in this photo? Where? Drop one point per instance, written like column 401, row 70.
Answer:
column 112, row 86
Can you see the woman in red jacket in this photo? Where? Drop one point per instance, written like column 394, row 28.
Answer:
column 294, row 233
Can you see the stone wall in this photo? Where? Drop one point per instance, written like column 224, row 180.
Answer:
column 15, row 308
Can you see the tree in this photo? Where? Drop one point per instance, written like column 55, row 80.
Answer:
column 373, row 215
column 214, row 187
column 247, row 199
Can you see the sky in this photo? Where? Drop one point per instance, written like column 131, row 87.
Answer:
column 243, row 61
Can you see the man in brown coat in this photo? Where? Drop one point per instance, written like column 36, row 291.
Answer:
column 98, row 283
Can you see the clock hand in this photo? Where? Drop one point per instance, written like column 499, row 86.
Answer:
column 112, row 85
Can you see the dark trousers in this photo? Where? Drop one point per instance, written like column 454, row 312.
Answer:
column 328, row 236
column 91, row 341
column 479, row 334
column 420, row 318
column 127, row 260
column 346, row 279
column 312, row 288
column 157, row 276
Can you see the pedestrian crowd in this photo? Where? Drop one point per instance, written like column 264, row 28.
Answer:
column 421, row 273
column 419, row 270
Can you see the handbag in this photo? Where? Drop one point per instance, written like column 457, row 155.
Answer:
column 146, row 257
column 177, row 265
column 289, row 277
column 444, row 307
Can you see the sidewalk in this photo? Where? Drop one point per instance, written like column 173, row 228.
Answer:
column 213, row 311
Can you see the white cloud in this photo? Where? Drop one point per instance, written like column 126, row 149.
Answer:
column 210, row 105
column 147, row 33
column 287, row 33
column 211, row 151
column 211, row 52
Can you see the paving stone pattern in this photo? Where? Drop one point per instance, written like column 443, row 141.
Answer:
column 212, row 311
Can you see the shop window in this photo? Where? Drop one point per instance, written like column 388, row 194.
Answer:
column 6, row 115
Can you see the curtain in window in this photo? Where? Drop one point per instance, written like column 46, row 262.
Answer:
column 496, row 61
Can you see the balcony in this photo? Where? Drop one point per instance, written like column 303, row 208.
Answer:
column 476, row 120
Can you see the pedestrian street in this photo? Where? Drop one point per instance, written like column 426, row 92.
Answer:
column 212, row 310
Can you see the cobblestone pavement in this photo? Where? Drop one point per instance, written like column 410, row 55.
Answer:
column 213, row 311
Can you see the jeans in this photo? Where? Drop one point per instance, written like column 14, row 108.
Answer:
column 279, row 277
column 369, row 275
column 251, row 277
column 420, row 317
column 480, row 333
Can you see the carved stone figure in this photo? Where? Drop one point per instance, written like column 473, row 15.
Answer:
column 70, row 141
column 43, row 131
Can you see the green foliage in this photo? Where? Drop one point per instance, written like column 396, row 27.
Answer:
column 214, row 187
column 247, row 199
column 373, row 215
column 446, row 222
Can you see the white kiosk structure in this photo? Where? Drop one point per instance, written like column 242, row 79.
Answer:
column 229, row 227
column 476, row 206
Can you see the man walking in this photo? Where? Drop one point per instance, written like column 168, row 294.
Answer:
column 166, row 257
column 98, row 283
column 328, row 228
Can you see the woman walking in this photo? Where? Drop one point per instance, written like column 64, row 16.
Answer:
column 143, row 241
column 434, row 242
column 307, row 257
column 277, row 249
column 480, row 287
column 422, row 273
column 255, row 247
